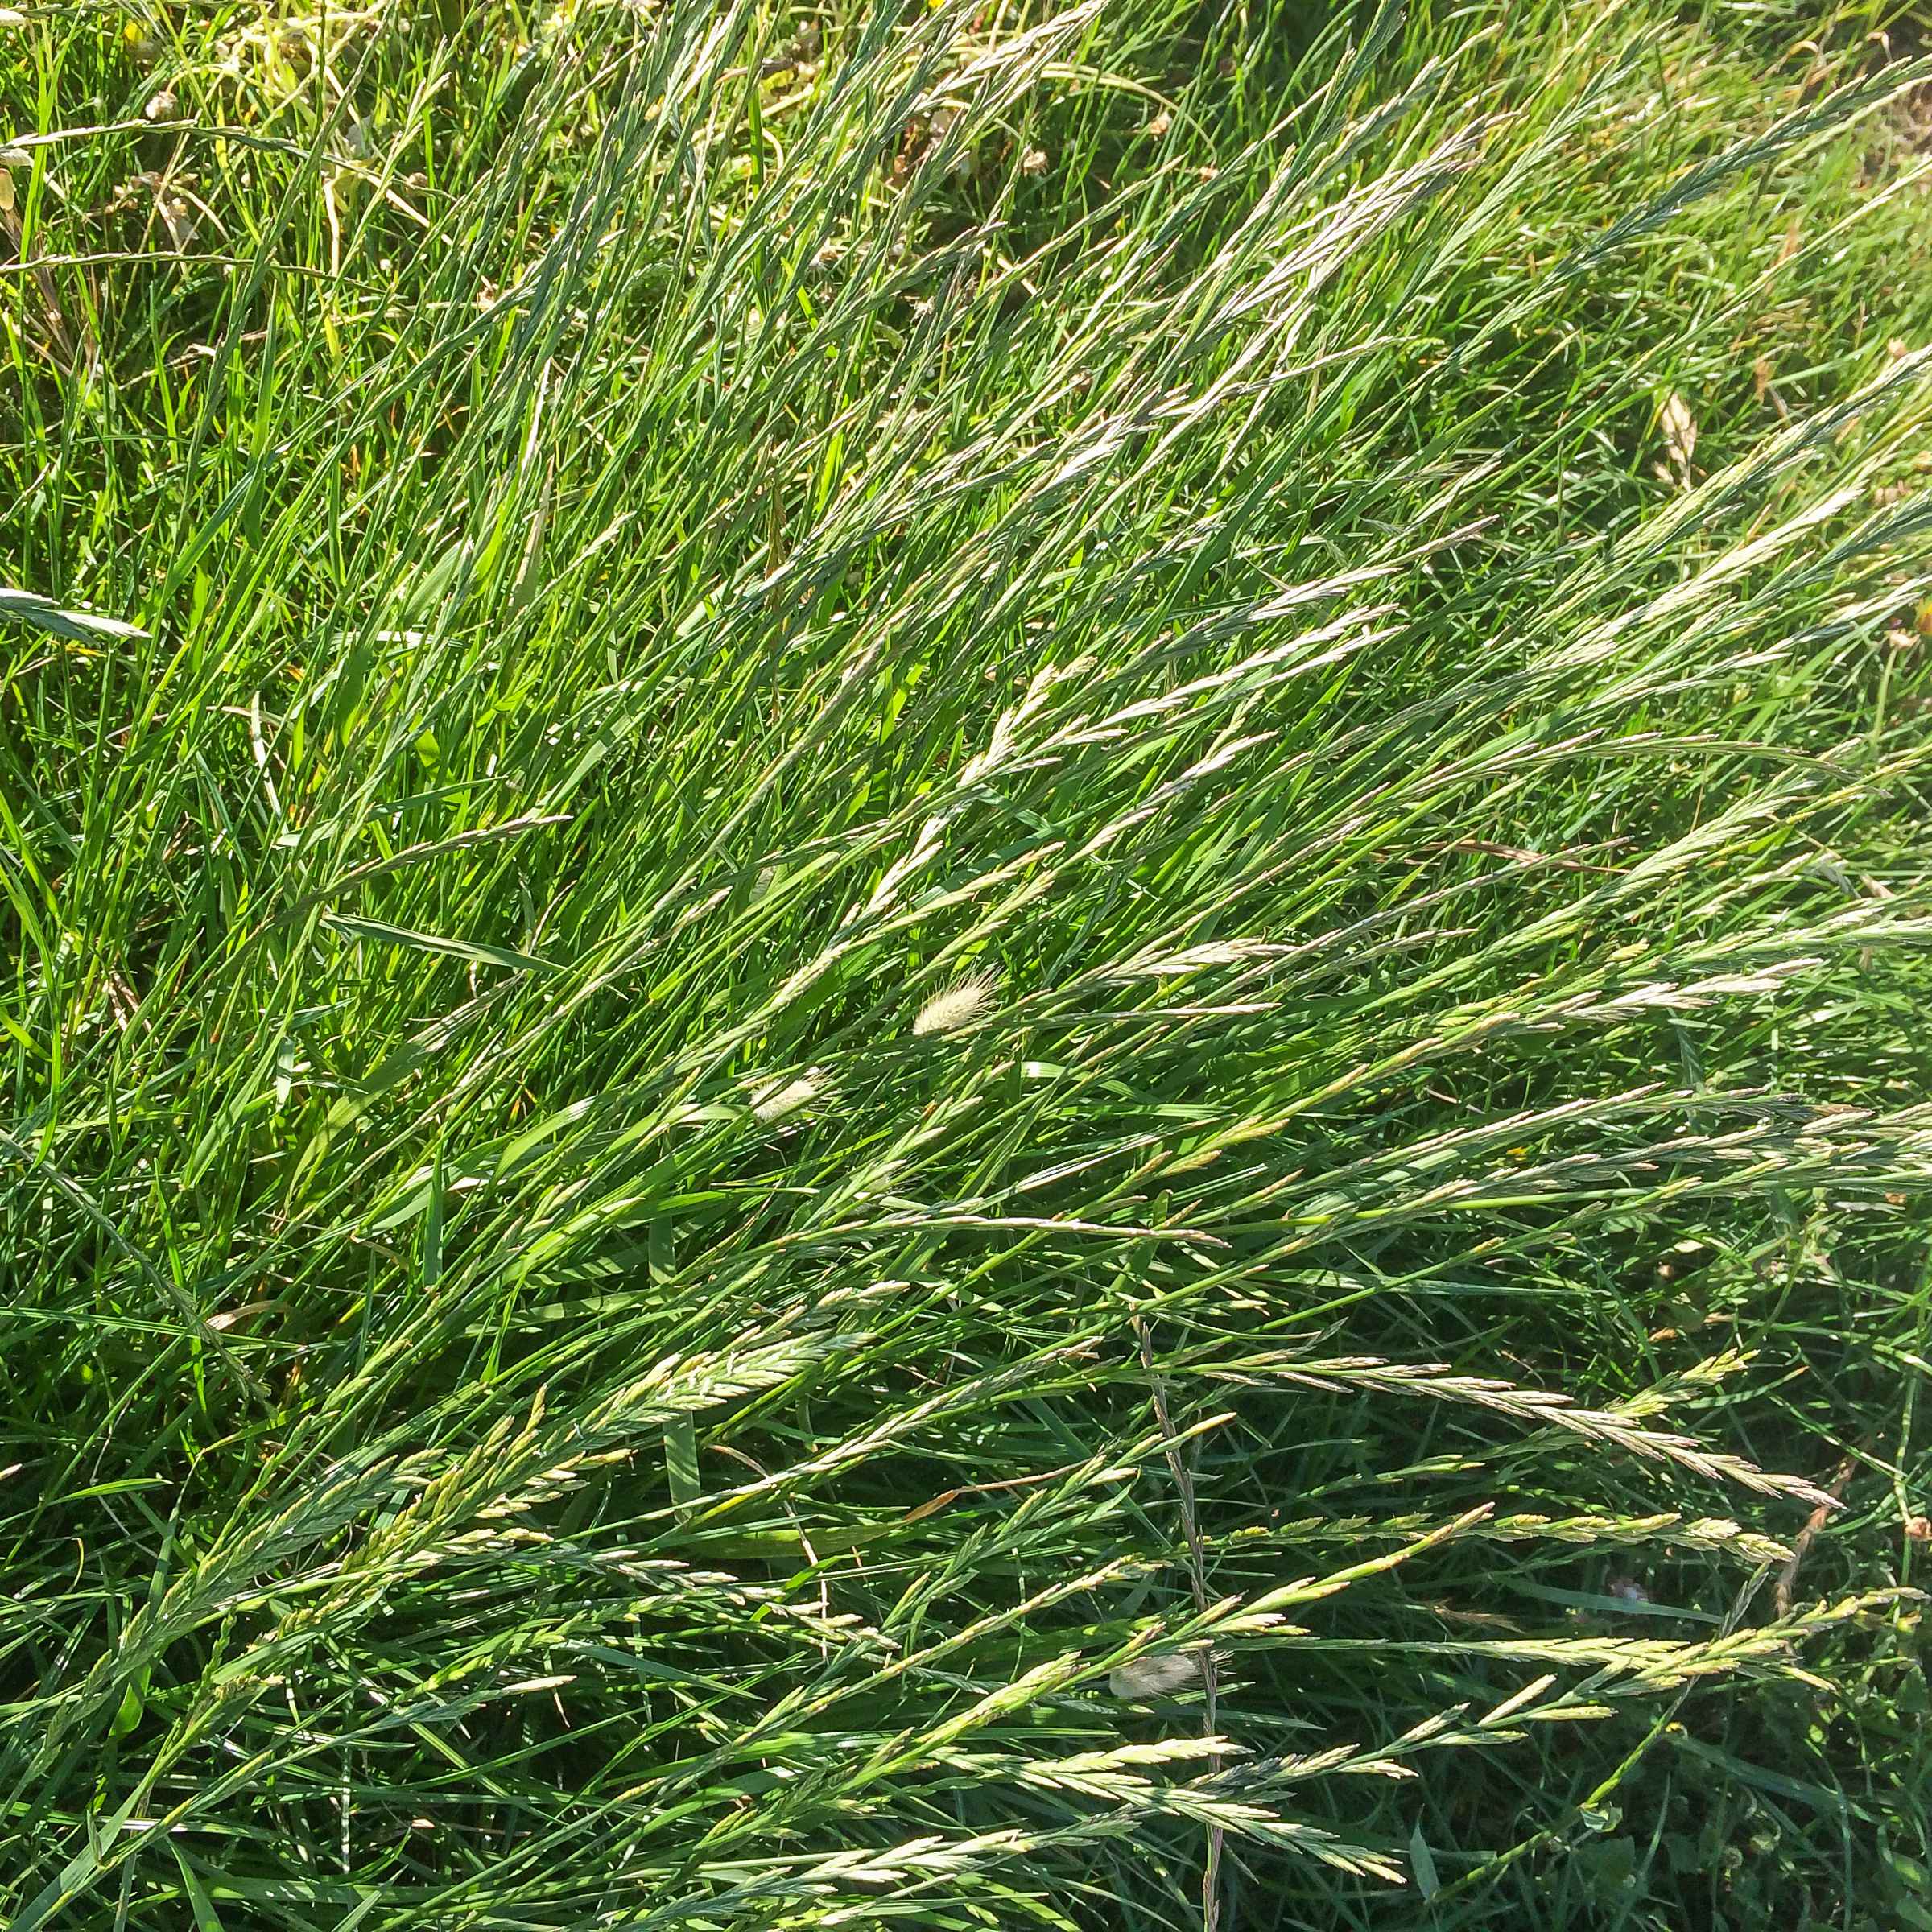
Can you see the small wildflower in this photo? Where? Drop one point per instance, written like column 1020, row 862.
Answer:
column 178, row 217
column 160, row 107
column 1160, row 124
column 956, row 1008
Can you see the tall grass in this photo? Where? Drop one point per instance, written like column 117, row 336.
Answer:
column 966, row 966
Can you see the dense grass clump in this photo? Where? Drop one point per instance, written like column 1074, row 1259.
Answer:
column 965, row 967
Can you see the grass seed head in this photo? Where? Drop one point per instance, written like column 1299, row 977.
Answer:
column 776, row 1100
column 1162, row 1676
column 962, row 1004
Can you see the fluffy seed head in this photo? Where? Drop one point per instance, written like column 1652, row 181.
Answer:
column 1156, row 1676
column 773, row 1100
column 957, row 1007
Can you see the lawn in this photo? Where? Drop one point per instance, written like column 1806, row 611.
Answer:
column 965, row 967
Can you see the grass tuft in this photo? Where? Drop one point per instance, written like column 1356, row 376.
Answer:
column 964, row 966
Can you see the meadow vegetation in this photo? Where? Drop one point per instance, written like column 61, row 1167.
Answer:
column 964, row 965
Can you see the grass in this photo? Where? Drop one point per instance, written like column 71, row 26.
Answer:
column 965, row 967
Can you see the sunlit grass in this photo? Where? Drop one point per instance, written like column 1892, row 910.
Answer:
column 965, row 967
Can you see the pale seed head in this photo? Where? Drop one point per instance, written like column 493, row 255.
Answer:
column 1156, row 1676
column 957, row 1008
column 774, row 1100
